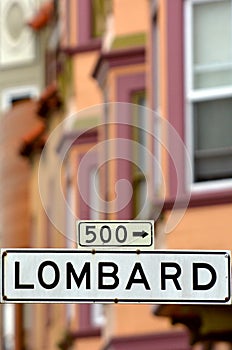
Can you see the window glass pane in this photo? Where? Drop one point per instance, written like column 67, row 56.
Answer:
column 213, row 124
column 213, row 168
column 212, row 139
column 212, row 44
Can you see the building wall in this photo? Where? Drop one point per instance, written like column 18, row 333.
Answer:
column 118, row 77
column 125, row 62
column 15, row 175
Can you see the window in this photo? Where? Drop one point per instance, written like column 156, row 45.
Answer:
column 98, row 18
column 209, row 88
column 14, row 95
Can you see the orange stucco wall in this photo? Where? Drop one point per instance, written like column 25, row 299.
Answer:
column 127, row 21
column 87, row 92
column 203, row 228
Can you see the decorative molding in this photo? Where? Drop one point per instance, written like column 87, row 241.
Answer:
column 201, row 200
column 126, row 86
column 91, row 45
column 90, row 332
column 117, row 58
column 76, row 138
column 128, row 41
column 162, row 341
column 16, row 48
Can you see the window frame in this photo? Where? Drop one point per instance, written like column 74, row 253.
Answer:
column 128, row 85
column 139, row 176
column 86, row 40
column 9, row 94
column 87, row 327
column 197, row 95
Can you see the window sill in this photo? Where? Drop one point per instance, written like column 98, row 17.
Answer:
column 87, row 333
column 211, row 197
column 203, row 198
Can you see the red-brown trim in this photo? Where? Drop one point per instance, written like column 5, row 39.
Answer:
column 162, row 341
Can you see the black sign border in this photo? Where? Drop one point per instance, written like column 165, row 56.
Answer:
column 115, row 222
column 114, row 300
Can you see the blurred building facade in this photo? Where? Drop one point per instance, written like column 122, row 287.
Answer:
column 159, row 54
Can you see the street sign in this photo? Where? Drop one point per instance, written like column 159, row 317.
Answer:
column 108, row 234
column 160, row 277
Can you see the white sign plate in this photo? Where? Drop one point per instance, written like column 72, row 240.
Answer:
column 161, row 277
column 109, row 234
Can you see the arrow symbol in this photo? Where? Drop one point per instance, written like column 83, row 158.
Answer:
column 142, row 234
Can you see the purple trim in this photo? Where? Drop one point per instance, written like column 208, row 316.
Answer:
column 175, row 87
column 161, row 341
column 126, row 86
column 176, row 115
column 203, row 199
column 85, row 327
column 90, row 332
column 84, row 21
column 118, row 58
column 85, row 41
column 213, row 198
column 76, row 138
column 83, row 183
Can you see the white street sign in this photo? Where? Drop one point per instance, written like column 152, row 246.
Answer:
column 109, row 234
column 161, row 277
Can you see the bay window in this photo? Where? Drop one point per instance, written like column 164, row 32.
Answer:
column 208, row 47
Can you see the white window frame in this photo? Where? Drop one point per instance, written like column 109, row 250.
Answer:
column 192, row 96
column 97, row 315
column 20, row 91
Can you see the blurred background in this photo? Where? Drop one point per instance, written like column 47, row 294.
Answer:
column 60, row 58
